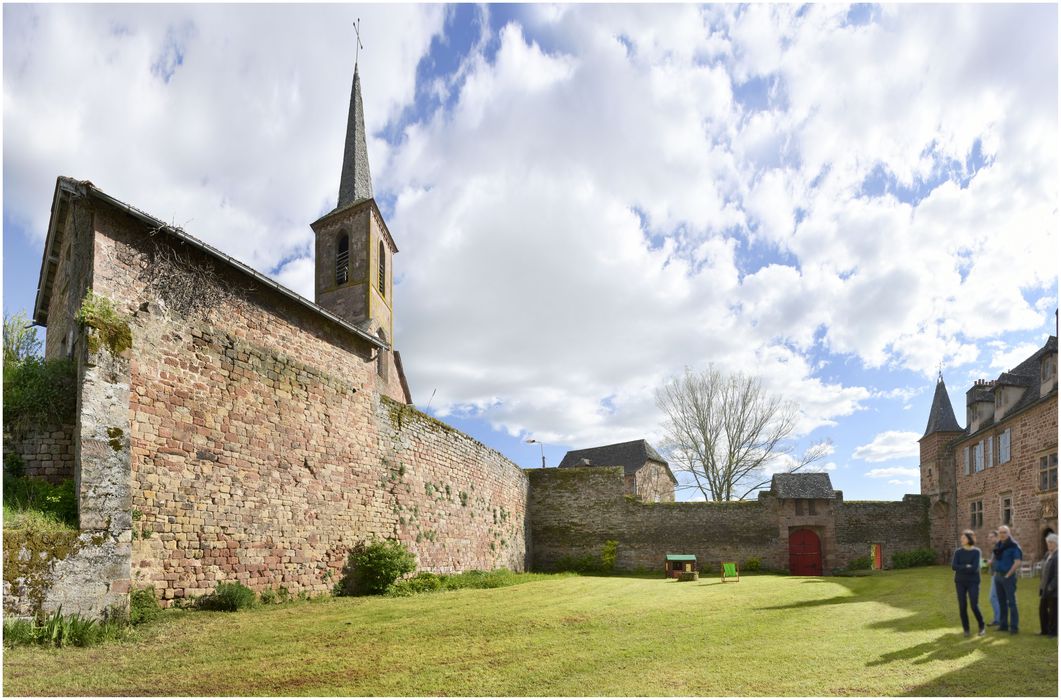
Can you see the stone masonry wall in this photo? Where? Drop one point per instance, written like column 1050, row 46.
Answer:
column 896, row 526
column 261, row 454
column 574, row 511
column 654, row 484
column 47, row 451
column 1033, row 434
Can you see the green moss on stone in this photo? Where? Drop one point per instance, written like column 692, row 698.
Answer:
column 29, row 557
column 115, row 435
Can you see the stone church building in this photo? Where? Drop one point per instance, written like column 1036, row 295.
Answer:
column 229, row 429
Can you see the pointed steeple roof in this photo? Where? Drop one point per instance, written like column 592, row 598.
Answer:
column 941, row 417
column 356, row 181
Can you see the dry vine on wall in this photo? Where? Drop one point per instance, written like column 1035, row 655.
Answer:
column 182, row 284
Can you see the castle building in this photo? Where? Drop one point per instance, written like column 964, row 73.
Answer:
column 1001, row 468
column 645, row 473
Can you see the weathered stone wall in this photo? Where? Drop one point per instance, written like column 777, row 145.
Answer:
column 653, row 484
column 261, row 453
column 574, row 511
column 87, row 572
column 897, row 526
column 937, row 484
column 47, row 451
column 1033, row 435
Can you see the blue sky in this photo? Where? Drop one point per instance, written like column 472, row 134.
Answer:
column 589, row 199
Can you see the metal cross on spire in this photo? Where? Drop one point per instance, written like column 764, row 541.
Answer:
column 358, row 46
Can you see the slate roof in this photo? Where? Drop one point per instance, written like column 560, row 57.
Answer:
column 941, row 416
column 631, row 456
column 812, row 485
column 355, row 182
column 1025, row 374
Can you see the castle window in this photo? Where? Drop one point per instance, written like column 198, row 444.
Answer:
column 990, row 452
column 1007, row 510
column 1003, row 446
column 810, row 507
column 976, row 513
column 382, row 270
column 965, row 459
column 799, row 507
column 1048, row 472
column 342, row 260
column 979, row 456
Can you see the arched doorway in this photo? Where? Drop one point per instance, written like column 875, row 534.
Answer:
column 804, row 553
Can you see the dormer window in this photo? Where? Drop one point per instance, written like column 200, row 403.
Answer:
column 1049, row 368
column 998, row 398
column 382, row 270
column 342, row 260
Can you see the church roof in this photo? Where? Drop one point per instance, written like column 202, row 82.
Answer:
column 67, row 188
column 811, row 485
column 941, row 415
column 631, row 456
column 355, row 183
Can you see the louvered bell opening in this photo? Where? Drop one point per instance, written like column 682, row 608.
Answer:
column 342, row 261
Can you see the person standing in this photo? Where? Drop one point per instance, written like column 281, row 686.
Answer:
column 966, row 565
column 1048, row 589
column 992, row 540
column 1007, row 559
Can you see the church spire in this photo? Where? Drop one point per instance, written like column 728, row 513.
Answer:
column 355, row 182
column 941, row 417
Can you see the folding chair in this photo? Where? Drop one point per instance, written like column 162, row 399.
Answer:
column 730, row 570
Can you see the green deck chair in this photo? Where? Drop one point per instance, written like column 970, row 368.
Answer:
column 730, row 571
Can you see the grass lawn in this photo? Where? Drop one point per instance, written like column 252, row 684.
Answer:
column 895, row 633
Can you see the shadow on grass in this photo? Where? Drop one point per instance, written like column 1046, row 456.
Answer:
column 946, row 647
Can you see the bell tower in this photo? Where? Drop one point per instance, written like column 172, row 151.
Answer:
column 354, row 249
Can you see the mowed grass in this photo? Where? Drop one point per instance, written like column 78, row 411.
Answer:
column 895, row 633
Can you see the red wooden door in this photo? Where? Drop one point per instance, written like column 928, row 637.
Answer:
column 804, row 553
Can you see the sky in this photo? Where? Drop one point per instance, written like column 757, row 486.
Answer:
column 590, row 199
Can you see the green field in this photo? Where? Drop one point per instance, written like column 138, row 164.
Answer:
column 895, row 633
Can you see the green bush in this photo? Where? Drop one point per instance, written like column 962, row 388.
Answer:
column 36, row 497
column 426, row 582
column 859, row 564
column 143, row 606
column 752, row 565
column 423, row 582
column 916, row 557
column 38, row 392
column 609, row 553
column 372, row 567
column 228, row 597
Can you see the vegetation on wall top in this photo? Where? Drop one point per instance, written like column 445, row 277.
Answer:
column 111, row 327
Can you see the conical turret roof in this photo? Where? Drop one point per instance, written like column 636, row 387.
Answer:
column 941, row 417
column 356, row 181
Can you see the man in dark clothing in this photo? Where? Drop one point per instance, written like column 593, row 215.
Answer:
column 1006, row 563
column 1048, row 589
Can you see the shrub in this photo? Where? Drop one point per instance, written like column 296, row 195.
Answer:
column 423, row 582
column 38, row 392
column 268, row 597
column 916, row 557
column 608, row 554
column 426, row 582
column 372, row 567
column 752, row 565
column 29, row 501
column 143, row 606
column 859, row 564
column 228, row 597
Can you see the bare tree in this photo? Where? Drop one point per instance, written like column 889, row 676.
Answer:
column 725, row 430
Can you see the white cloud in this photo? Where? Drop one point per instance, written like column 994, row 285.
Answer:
column 902, row 482
column 891, row 444
column 886, row 472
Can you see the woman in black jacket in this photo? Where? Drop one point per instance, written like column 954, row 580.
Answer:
column 966, row 565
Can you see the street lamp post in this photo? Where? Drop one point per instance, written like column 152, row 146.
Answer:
column 539, row 444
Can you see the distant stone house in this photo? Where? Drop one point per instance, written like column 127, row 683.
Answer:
column 647, row 475
column 1002, row 467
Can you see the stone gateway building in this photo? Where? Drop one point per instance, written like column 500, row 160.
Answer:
column 228, row 429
